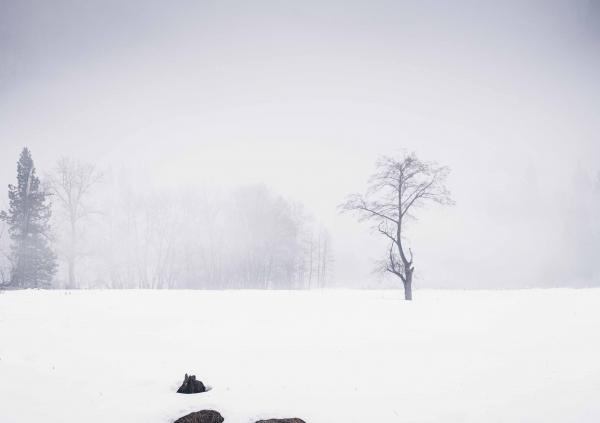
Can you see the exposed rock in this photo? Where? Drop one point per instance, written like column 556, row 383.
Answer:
column 191, row 385
column 294, row 420
column 203, row 416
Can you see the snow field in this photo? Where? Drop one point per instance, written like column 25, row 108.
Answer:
column 324, row 356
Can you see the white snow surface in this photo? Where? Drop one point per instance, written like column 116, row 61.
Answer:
column 323, row 356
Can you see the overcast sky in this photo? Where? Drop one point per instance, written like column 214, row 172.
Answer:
column 305, row 95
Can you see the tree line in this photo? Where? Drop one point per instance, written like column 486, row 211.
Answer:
column 82, row 228
column 77, row 227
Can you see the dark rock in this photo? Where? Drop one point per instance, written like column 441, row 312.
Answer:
column 282, row 421
column 191, row 385
column 204, row 416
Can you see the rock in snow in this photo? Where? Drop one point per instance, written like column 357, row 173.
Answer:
column 191, row 385
column 294, row 420
column 203, row 416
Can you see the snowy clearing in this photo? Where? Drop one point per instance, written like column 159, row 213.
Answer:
column 327, row 357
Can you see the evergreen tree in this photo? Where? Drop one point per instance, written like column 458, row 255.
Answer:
column 33, row 261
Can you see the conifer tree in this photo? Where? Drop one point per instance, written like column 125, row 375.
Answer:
column 33, row 261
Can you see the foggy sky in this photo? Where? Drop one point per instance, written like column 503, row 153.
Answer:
column 304, row 96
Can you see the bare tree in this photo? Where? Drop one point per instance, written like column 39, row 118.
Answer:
column 396, row 190
column 325, row 258
column 71, row 183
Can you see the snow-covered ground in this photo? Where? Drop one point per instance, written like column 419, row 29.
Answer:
column 327, row 357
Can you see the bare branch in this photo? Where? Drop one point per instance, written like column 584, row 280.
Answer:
column 367, row 209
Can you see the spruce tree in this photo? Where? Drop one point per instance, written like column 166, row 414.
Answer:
column 33, row 261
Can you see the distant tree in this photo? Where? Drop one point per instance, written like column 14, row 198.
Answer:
column 396, row 190
column 317, row 257
column 4, row 255
column 324, row 257
column 71, row 183
column 33, row 263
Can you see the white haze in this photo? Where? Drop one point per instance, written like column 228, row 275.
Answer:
column 303, row 97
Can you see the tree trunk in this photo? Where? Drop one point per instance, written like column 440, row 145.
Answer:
column 408, row 287
column 72, row 252
column 71, row 264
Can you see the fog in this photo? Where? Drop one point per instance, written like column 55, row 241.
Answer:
column 297, row 100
